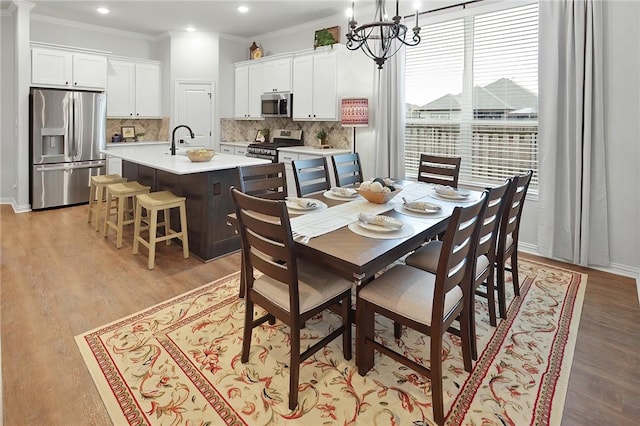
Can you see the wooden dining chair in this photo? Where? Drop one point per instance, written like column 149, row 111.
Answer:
column 311, row 175
column 427, row 256
column 289, row 289
column 425, row 302
column 507, row 247
column 439, row 170
column 347, row 169
column 264, row 180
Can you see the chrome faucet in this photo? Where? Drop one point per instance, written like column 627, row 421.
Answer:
column 173, row 137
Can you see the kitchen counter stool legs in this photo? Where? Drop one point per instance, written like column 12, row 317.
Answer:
column 153, row 203
column 97, row 195
column 124, row 196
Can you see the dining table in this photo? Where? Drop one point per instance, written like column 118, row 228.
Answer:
column 332, row 236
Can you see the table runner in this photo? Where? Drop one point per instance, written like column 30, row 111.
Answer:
column 320, row 223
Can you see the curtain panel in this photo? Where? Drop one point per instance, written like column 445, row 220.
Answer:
column 572, row 207
column 390, row 118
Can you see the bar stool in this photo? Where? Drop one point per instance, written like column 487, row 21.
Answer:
column 123, row 195
column 97, row 194
column 152, row 203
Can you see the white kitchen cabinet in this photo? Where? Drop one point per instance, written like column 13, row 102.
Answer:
column 322, row 77
column 248, row 88
column 277, row 75
column 233, row 148
column 315, row 87
column 133, row 89
column 67, row 69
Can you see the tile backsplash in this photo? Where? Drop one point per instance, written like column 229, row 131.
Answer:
column 245, row 130
column 153, row 129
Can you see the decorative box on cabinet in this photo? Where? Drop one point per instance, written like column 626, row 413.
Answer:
column 68, row 69
column 248, row 88
column 133, row 89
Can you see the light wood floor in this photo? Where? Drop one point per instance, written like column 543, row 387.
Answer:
column 60, row 278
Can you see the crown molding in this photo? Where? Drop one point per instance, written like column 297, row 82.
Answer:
column 232, row 37
column 319, row 23
column 98, row 28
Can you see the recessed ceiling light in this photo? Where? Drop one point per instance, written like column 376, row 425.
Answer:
column 190, row 29
column 102, row 10
column 243, row 9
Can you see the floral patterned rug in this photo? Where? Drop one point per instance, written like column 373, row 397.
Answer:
column 178, row 363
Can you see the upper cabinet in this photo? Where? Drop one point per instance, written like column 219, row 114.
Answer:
column 276, row 75
column 322, row 77
column 67, row 69
column 315, row 86
column 248, row 88
column 133, row 89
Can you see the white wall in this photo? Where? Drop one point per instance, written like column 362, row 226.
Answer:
column 231, row 50
column 194, row 56
column 622, row 118
column 69, row 33
column 7, row 117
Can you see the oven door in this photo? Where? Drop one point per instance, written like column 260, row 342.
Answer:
column 269, row 157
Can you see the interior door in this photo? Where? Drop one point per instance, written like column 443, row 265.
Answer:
column 194, row 107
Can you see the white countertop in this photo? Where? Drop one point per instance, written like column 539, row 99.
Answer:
column 237, row 143
column 130, row 144
column 315, row 151
column 158, row 157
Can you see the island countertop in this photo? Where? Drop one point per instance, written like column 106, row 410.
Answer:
column 158, row 157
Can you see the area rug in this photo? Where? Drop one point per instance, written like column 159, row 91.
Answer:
column 178, row 363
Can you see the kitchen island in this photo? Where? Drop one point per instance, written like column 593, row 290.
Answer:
column 205, row 186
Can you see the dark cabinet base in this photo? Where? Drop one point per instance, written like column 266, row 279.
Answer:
column 208, row 204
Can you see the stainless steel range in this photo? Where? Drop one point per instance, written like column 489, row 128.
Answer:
column 269, row 150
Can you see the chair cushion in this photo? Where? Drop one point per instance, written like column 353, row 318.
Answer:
column 315, row 286
column 426, row 257
column 409, row 292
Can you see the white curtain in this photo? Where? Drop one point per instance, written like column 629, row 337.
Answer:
column 390, row 117
column 572, row 209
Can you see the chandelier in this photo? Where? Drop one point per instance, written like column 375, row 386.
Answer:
column 382, row 38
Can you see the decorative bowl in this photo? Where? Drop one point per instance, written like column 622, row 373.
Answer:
column 379, row 197
column 200, row 155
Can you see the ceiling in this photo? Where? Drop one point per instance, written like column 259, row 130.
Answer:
column 156, row 17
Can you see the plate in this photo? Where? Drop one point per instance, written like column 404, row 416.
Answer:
column 426, row 211
column 296, row 206
column 354, row 194
column 460, row 194
column 376, row 228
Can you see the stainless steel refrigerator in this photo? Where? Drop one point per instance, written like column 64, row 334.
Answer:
column 68, row 131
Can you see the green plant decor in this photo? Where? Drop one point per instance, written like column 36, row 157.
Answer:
column 324, row 37
column 321, row 135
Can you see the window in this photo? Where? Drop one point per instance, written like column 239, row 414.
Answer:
column 472, row 91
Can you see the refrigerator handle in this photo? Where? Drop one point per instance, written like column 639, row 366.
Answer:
column 71, row 166
column 74, row 127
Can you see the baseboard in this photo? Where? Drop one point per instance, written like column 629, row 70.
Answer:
column 16, row 208
column 613, row 268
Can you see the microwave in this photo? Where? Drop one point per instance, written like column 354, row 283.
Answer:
column 276, row 104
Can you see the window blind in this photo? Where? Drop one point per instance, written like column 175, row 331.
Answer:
column 471, row 91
